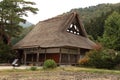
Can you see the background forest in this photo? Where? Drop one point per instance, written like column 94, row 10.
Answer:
column 102, row 23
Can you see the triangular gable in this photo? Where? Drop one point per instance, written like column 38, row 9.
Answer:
column 75, row 27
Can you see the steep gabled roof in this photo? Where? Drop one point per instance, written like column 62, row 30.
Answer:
column 53, row 33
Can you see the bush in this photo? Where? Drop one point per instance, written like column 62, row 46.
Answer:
column 117, row 67
column 84, row 61
column 104, row 58
column 49, row 64
column 6, row 54
column 117, row 58
column 33, row 68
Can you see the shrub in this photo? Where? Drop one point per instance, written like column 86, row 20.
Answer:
column 33, row 68
column 117, row 67
column 49, row 64
column 117, row 58
column 104, row 58
column 84, row 61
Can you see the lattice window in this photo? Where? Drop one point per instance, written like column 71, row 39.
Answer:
column 73, row 29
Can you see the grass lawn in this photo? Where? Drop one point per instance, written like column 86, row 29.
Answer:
column 60, row 73
column 91, row 70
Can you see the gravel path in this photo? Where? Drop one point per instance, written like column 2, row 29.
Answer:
column 11, row 67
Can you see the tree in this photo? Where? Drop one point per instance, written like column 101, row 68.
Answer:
column 111, row 36
column 94, row 17
column 11, row 13
column 95, row 27
column 25, row 31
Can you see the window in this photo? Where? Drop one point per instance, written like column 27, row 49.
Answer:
column 73, row 29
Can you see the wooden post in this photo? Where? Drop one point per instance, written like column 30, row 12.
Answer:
column 32, row 58
column 38, row 50
column 78, row 57
column 25, row 56
column 69, row 56
column 69, row 59
column 60, row 57
column 45, row 54
column 37, row 58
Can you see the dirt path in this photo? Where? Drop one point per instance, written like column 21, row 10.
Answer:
column 57, row 75
column 11, row 67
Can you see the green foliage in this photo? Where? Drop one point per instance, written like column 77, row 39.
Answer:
column 11, row 13
column 104, row 58
column 49, row 64
column 111, row 36
column 33, row 68
column 91, row 12
column 117, row 58
column 5, row 53
column 96, row 25
column 101, row 59
column 94, row 17
column 25, row 31
column 84, row 61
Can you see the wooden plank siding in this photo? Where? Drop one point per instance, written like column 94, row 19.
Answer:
column 60, row 55
column 53, row 50
column 54, row 56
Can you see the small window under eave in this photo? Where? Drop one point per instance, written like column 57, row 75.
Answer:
column 75, row 28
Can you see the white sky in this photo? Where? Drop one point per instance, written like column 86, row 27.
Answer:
column 51, row 8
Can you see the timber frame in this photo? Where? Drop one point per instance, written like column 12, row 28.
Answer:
column 62, row 56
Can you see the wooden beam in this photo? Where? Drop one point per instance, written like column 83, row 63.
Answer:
column 52, row 50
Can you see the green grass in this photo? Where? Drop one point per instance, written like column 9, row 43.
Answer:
column 66, row 68
column 92, row 70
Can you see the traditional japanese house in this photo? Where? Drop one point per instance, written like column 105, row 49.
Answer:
column 61, row 38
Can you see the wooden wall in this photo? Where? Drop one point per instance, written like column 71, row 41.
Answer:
column 53, row 56
column 60, row 55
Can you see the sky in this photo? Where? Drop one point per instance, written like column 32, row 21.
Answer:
column 51, row 8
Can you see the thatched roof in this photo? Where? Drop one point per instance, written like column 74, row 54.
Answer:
column 53, row 33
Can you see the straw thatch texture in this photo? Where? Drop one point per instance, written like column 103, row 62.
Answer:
column 52, row 33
